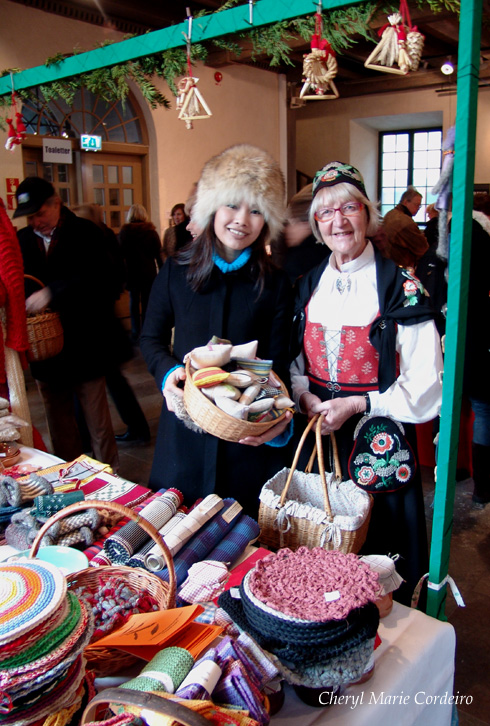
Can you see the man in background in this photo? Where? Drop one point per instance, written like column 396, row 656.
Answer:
column 405, row 242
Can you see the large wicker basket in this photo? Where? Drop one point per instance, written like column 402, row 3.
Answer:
column 44, row 332
column 320, row 511
column 215, row 421
column 109, row 661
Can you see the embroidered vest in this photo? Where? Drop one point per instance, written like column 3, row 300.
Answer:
column 357, row 363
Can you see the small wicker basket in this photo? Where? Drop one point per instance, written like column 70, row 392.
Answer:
column 109, row 661
column 318, row 512
column 44, row 332
column 215, row 421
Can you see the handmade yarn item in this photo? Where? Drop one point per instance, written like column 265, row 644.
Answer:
column 165, row 672
column 113, row 603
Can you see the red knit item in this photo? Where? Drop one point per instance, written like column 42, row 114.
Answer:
column 11, row 291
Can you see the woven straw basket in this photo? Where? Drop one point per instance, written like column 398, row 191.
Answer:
column 313, row 510
column 44, row 332
column 215, row 421
column 109, row 661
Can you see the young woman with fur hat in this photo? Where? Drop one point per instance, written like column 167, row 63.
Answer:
column 221, row 284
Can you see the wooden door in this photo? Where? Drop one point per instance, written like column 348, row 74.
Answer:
column 114, row 181
column 61, row 176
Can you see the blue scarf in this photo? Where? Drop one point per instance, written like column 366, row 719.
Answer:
column 240, row 261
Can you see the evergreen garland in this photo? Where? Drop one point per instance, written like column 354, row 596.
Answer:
column 340, row 28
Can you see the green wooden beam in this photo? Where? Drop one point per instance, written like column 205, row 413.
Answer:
column 459, row 264
column 204, row 28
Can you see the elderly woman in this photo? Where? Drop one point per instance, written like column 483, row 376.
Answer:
column 366, row 344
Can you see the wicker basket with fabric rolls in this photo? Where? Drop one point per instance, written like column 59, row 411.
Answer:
column 44, row 332
column 215, row 421
column 103, row 660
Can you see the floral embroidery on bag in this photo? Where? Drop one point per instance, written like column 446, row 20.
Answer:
column 385, row 461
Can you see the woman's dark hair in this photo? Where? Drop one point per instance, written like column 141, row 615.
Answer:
column 180, row 205
column 198, row 255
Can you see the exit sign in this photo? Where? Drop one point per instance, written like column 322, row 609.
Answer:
column 90, row 143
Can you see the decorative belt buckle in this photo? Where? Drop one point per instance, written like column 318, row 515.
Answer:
column 333, row 386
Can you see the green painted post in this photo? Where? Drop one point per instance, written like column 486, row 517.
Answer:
column 204, row 28
column 459, row 259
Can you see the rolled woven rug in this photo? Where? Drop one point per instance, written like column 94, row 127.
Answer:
column 165, row 672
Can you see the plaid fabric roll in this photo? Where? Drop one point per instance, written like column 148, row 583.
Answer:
column 201, row 681
column 205, row 539
column 237, row 689
column 235, row 542
column 197, row 517
column 121, row 547
column 46, row 505
column 97, row 546
column 263, row 667
column 153, row 549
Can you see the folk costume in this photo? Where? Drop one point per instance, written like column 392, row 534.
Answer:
column 367, row 329
column 232, row 305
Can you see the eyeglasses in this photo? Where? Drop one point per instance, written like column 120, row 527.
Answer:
column 348, row 209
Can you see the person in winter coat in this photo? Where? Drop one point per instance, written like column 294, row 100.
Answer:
column 141, row 249
column 67, row 254
column 222, row 284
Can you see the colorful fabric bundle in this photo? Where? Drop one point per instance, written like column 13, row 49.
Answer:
column 204, row 540
column 151, row 548
column 108, row 488
column 165, row 672
column 48, row 504
column 205, row 581
column 201, row 680
column 43, row 631
column 18, row 493
column 120, row 547
column 322, row 638
column 77, row 529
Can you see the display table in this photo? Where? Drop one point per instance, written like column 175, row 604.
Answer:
column 414, row 665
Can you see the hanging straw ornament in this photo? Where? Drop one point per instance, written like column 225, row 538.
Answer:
column 319, row 67
column 16, row 134
column 190, row 103
column 400, row 44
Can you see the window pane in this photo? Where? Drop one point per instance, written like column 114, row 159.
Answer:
column 128, row 197
column 115, row 219
column 432, row 177
column 389, row 161
column 65, row 195
column 389, row 142
column 401, row 178
column 388, row 178
column 98, row 174
column 434, row 159
column 388, row 197
column 99, row 197
column 420, row 141
column 419, row 178
column 114, row 197
column 127, row 174
column 62, row 173
column 112, row 174
column 434, row 140
column 31, row 168
column 419, row 159
column 48, row 172
column 402, row 142
column 402, row 160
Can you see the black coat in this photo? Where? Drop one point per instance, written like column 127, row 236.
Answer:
column 232, row 308
column 76, row 270
column 141, row 248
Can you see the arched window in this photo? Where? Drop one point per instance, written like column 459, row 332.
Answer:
column 89, row 114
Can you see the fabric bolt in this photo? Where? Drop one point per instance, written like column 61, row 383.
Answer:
column 205, row 539
column 201, row 680
column 97, row 546
column 100, row 560
column 188, row 526
column 155, row 550
column 205, row 581
column 236, row 689
column 234, row 544
column 264, row 668
column 138, row 559
column 29, row 594
column 121, row 546
column 165, row 672
column 116, row 490
column 18, row 493
column 228, row 648
column 45, row 505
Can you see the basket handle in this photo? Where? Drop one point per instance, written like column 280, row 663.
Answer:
column 151, row 701
column 34, row 279
column 150, row 530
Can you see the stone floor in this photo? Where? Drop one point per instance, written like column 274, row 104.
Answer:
column 469, row 559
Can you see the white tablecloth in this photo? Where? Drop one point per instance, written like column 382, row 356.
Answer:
column 414, row 664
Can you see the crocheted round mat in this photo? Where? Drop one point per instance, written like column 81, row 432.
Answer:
column 29, row 593
column 315, row 584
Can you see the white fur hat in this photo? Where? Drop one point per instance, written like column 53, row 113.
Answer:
column 241, row 173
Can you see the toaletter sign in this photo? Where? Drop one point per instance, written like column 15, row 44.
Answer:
column 57, row 151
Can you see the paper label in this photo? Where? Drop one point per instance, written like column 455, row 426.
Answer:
column 206, row 674
column 332, row 596
column 232, row 512
column 235, row 593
